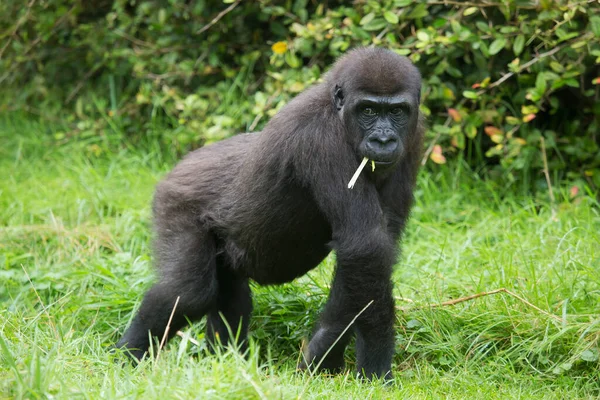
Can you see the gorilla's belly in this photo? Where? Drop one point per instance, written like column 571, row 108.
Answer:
column 285, row 261
column 290, row 249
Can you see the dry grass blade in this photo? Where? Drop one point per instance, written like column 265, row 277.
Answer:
column 166, row 334
column 482, row 294
column 357, row 173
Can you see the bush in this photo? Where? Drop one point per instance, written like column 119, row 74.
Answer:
column 502, row 80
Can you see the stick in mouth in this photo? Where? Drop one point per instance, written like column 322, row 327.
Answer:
column 357, row 173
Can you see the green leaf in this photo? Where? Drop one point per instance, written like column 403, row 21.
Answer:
column 556, row 66
column 413, row 323
column 595, row 25
column 497, row 45
column 518, row 44
column 470, row 10
column 540, row 83
column 419, row 11
column 402, row 52
column 366, row 19
column 482, row 26
column 469, row 94
column 471, row 131
column 572, row 82
column 590, row 355
column 292, row 60
column 439, row 22
column 390, row 17
column 422, row 36
column 375, row 25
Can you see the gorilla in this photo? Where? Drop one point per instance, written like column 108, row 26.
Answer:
column 270, row 206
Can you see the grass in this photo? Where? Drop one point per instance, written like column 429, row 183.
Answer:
column 74, row 262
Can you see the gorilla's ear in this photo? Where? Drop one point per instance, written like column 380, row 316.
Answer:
column 338, row 97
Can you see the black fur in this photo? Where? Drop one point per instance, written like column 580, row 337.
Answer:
column 270, row 206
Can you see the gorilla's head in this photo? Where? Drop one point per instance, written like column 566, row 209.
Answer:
column 376, row 92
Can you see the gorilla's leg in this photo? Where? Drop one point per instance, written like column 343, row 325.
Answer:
column 373, row 309
column 328, row 343
column 188, row 270
column 375, row 337
column 230, row 315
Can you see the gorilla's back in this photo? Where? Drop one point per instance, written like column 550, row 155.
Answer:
column 199, row 181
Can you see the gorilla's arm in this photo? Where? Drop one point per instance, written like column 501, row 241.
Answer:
column 365, row 251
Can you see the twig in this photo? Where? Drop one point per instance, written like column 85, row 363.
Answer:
column 218, row 17
column 36, row 42
column 82, row 82
column 526, row 65
column 134, row 40
column 477, row 4
column 531, row 62
column 404, row 299
column 261, row 114
column 546, row 170
column 166, row 334
column 17, row 26
column 482, row 294
column 547, row 175
column 434, row 141
column 184, row 336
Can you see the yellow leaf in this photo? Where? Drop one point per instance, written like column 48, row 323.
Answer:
column 512, row 120
column 454, row 114
column 437, row 156
column 279, row 47
column 492, row 130
column 496, row 138
column 573, row 191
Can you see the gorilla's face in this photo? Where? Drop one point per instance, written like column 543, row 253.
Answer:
column 381, row 124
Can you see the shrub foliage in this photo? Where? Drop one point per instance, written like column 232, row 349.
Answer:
column 509, row 84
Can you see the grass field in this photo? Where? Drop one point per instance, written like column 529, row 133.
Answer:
column 75, row 260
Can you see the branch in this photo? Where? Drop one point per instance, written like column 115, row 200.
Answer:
column 17, row 26
column 218, row 17
column 533, row 61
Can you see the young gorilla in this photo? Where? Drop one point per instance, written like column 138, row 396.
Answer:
column 270, row 206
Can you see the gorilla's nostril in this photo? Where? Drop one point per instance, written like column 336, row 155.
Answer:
column 382, row 139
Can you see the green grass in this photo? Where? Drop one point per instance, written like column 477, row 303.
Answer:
column 74, row 263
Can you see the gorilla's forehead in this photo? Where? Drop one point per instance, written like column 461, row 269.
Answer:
column 376, row 71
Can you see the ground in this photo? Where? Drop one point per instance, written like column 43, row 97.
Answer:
column 75, row 261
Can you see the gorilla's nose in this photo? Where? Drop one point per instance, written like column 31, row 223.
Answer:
column 383, row 140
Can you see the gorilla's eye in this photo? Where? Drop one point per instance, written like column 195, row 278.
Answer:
column 396, row 111
column 369, row 111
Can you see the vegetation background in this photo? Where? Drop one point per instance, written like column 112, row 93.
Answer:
column 100, row 98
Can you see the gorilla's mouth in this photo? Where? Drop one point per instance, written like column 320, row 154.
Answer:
column 383, row 163
column 383, row 153
column 384, row 156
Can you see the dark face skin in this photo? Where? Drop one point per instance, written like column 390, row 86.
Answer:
column 383, row 122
